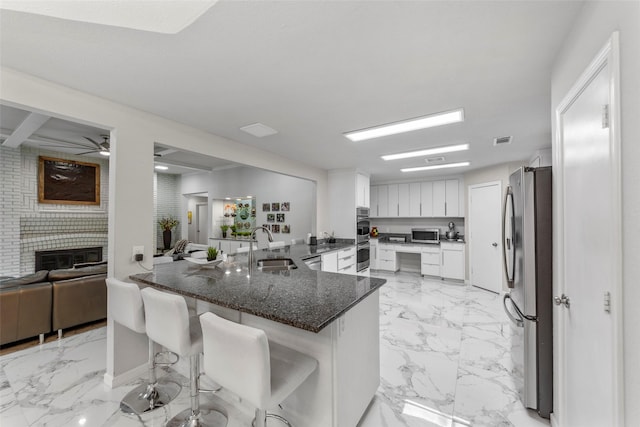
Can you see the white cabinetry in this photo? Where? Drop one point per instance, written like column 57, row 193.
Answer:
column 430, row 261
column 387, row 259
column 347, row 261
column 418, row 199
column 452, row 260
column 403, row 200
column 446, row 198
column 348, row 189
column 373, row 254
column 363, row 196
column 330, row 262
column 426, row 199
column 393, row 208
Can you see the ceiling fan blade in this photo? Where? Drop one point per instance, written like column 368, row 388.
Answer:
column 87, row 152
column 97, row 144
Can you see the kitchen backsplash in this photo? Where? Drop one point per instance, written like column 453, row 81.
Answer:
column 404, row 225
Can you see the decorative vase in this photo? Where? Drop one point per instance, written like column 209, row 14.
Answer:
column 166, row 238
column 224, row 234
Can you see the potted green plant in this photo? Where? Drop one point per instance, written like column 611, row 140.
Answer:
column 167, row 224
column 233, row 230
column 224, row 229
column 212, row 253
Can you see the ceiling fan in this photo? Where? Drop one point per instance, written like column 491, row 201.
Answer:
column 101, row 147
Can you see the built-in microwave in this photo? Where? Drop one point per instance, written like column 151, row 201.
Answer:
column 425, row 235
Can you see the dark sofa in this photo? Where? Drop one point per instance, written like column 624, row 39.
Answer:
column 46, row 301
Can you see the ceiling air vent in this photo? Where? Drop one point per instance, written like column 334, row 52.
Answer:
column 434, row 159
column 502, row 140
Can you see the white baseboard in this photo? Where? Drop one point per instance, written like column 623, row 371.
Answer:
column 125, row 377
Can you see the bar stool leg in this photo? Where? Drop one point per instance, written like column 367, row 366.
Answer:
column 196, row 416
column 152, row 395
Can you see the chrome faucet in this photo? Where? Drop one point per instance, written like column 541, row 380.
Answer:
column 251, row 238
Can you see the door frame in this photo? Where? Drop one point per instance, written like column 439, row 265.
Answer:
column 609, row 54
column 500, row 243
column 198, row 206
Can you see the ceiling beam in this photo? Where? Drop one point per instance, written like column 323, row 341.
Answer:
column 29, row 125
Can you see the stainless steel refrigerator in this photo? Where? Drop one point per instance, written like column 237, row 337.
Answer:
column 527, row 247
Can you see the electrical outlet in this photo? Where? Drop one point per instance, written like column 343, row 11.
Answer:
column 139, row 251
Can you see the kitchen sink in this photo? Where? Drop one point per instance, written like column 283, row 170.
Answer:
column 276, row 264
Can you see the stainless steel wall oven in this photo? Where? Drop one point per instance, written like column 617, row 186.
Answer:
column 363, row 227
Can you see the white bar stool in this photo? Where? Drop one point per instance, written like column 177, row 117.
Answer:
column 126, row 308
column 169, row 324
column 242, row 360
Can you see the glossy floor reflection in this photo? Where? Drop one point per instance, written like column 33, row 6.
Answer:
column 445, row 362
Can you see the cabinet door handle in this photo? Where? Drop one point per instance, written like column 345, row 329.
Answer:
column 445, row 208
column 420, row 208
column 398, row 214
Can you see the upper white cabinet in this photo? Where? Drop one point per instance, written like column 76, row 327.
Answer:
column 348, row 189
column 426, row 199
column 418, row 199
column 393, row 208
column 362, row 191
column 446, row 198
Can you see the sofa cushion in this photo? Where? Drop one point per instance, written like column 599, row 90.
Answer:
column 37, row 277
column 72, row 273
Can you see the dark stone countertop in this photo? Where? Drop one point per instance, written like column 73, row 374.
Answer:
column 301, row 297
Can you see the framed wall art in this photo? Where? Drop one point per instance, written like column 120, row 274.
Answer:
column 68, row 182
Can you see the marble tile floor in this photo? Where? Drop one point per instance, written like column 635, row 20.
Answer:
column 444, row 354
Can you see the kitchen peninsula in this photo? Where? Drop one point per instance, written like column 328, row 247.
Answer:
column 331, row 317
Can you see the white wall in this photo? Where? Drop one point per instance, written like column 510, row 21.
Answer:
column 266, row 187
column 133, row 134
column 593, row 27
column 493, row 173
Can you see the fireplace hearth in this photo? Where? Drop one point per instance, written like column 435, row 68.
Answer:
column 66, row 258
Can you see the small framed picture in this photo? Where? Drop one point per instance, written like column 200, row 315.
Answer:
column 267, row 226
column 271, row 217
column 266, row 207
column 280, row 217
column 275, row 206
column 285, row 206
column 275, row 228
column 286, row 229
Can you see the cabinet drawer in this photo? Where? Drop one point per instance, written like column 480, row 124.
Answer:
column 430, row 269
column 349, row 269
column 387, row 265
column 431, row 258
column 345, row 253
column 387, row 253
column 346, row 262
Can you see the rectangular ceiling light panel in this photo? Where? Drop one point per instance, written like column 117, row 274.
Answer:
column 427, row 152
column 424, row 122
column 258, row 130
column 427, row 168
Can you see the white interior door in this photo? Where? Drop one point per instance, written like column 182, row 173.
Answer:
column 201, row 222
column 485, row 236
column 588, row 263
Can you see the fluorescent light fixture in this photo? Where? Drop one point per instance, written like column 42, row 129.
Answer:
column 161, row 168
column 427, row 152
column 428, row 168
column 424, row 122
column 167, row 17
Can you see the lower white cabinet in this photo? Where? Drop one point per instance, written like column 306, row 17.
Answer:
column 330, row 262
column 430, row 261
column 387, row 259
column 347, row 261
column 452, row 264
column 373, row 254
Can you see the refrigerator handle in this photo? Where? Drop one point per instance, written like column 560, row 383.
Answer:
column 518, row 322
column 519, row 312
column 508, row 241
